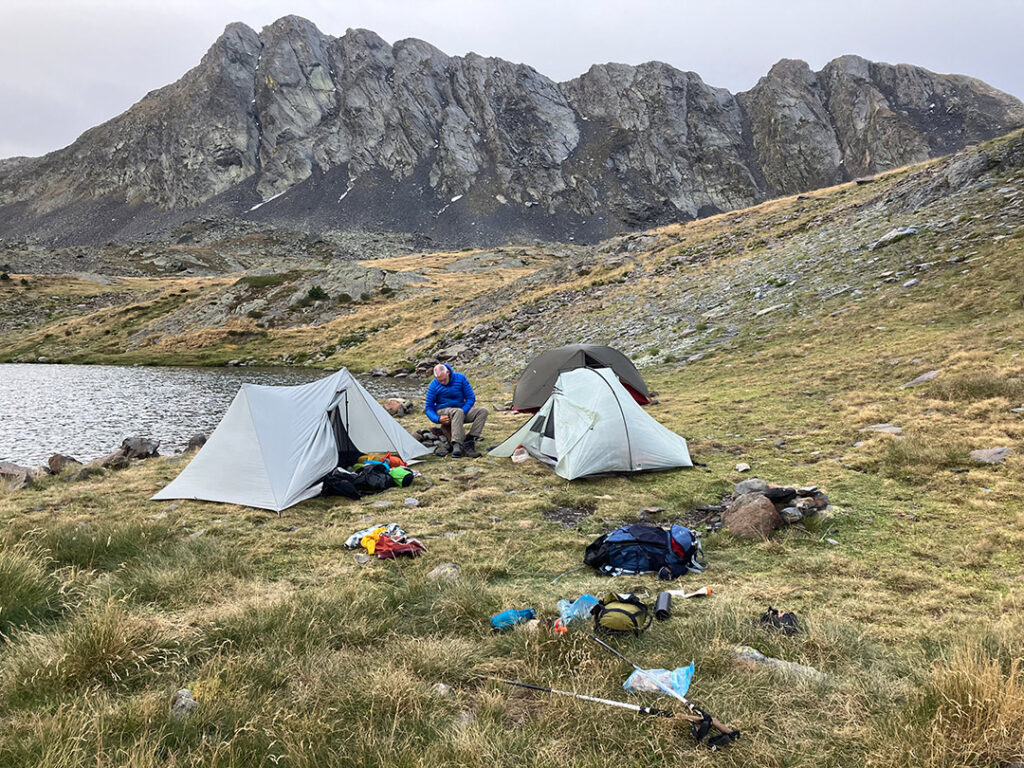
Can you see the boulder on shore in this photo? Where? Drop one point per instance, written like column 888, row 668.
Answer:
column 59, row 462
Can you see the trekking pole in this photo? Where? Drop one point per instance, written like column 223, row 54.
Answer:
column 727, row 734
column 611, row 703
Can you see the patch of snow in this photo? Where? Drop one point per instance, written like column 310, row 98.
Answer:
column 272, row 197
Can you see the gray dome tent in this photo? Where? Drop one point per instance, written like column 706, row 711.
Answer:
column 538, row 380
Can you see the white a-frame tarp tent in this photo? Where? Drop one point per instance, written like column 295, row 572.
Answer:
column 275, row 443
column 591, row 425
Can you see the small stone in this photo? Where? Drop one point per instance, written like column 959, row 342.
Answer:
column 445, row 572
column 382, row 504
column 791, row 515
column 444, row 690
column 464, row 718
column 197, row 534
column 412, row 502
column 496, row 519
column 833, row 542
column 1017, row 410
column 742, row 467
column 893, row 236
column 807, row 490
column 888, row 429
column 652, row 510
column 991, row 455
column 172, row 506
column 361, row 557
column 912, row 282
column 197, row 441
column 751, row 485
column 920, row 379
column 183, row 703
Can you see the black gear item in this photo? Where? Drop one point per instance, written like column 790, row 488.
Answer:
column 785, row 622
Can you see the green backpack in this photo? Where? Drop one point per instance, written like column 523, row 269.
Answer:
column 619, row 614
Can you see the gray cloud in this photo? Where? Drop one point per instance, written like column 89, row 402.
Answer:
column 66, row 65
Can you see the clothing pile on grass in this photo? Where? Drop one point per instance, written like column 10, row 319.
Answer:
column 368, row 475
column 387, row 542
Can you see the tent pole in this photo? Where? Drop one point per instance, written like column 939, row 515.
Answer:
column 625, row 426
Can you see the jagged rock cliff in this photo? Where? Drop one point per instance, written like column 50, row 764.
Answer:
column 295, row 127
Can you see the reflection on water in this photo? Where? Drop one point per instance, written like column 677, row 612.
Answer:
column 86, row 411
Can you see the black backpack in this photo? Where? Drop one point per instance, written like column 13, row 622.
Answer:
column 373, row 478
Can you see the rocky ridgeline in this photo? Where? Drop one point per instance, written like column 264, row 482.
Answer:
column 293, row 127
column 834, row 249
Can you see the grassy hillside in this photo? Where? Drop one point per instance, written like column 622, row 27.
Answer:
column 774, row 336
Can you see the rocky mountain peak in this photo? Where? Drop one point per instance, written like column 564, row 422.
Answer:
column 295, row 127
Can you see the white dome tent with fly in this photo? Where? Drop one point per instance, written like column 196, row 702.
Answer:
column 591, row 425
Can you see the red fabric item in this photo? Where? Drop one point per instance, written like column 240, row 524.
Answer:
column 388, row 549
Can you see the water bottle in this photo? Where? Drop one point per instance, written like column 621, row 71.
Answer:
column 505, row 620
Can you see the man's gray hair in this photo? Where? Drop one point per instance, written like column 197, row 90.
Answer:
column 439, row 369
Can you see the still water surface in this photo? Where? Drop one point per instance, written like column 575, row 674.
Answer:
column 86, row 411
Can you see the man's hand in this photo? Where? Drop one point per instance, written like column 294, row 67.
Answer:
column 445, row 419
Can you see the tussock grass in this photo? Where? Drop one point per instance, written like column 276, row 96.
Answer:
column 918, row 458
column 978, row 385
column 107, row 646
column 104, row 545
column 29, row 594
column 979, row 719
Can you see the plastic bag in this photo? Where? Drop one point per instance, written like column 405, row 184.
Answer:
column 580, row 608
column 642, row 680
column 519, row 455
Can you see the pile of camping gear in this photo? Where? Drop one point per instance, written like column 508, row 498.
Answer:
column 386, row 541
column 367, row 475
column 633, row 550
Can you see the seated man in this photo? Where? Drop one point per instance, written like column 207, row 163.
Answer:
column 449, row 403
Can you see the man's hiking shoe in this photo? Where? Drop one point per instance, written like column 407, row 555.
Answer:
column 457, row 450
column 470, row 449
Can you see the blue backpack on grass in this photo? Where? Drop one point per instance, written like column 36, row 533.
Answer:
column 635, row 549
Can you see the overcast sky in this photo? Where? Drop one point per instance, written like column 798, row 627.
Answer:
column 67, row 65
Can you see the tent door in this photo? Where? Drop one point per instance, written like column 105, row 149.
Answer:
column 347, row 450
